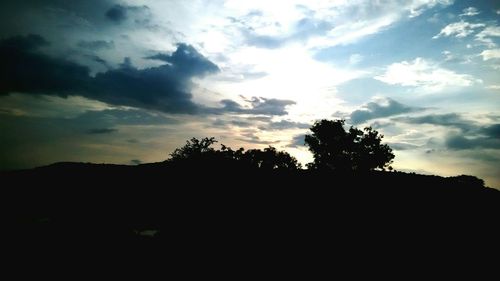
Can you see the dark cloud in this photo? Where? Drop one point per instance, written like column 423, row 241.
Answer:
column 164, row 88
column 471, row 136
column 258, row 106
column 298, row 141
column 402, row 146
column 460, row 142
column 117, row 13
column 237, row 123
column 383, row 108
column 448, row 120
column 260, row 118
column 120, row 13
column 264, row 123
column 25, row 69
column 101, row 131
column 130, row 117
column 253, row 138
column 96, row 44
column 159, row 88
column 266, row 106
column 240, row 123
column 98, row 59
column 284, row 125
column 492, row 131
column 188, row 61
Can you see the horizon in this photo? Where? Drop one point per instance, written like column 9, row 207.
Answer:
column 127, row 82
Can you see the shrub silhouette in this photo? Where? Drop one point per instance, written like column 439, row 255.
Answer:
column 334, row 148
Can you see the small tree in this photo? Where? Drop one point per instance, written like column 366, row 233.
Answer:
column 334, row 148
column 270, row 158
column 194, row 149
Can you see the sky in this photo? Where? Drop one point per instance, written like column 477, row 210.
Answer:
column 127, row 82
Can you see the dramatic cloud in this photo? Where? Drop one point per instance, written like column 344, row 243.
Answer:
column 459, row 29
column 159, row 88
column 380, row 108
column 165, row 88
column 187, row 61
column 425, row 74
column 449, row 120
column 161, row 72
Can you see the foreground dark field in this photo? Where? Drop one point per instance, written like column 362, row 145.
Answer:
column 154, row 202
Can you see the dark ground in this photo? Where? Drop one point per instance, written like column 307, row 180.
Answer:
column 199, row 212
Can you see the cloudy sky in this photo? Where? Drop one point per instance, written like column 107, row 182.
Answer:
column 127, row 82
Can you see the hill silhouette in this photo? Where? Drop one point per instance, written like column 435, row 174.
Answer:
column 236, row 218
column 99, row 201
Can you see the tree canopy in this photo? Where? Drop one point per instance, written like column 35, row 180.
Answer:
column 197, row 151
column 334, row 148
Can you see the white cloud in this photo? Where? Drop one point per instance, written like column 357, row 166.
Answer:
column 485, row 35
column 417, row 7
column 490, row 54
column 458, row 29
column 339, row 22
column 493, row 87
column 425, row 74
column 355, row 59
column 447, row 55
column 469, row 12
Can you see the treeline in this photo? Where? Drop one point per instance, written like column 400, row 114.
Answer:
column 334, row 148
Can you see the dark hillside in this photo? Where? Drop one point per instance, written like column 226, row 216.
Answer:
column 102, row 202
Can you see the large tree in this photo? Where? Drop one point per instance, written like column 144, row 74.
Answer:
column 334, row 148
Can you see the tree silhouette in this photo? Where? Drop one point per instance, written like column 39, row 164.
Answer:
column 270, row 159
column 334, row 148
column 194, row 149
column 196, row 152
